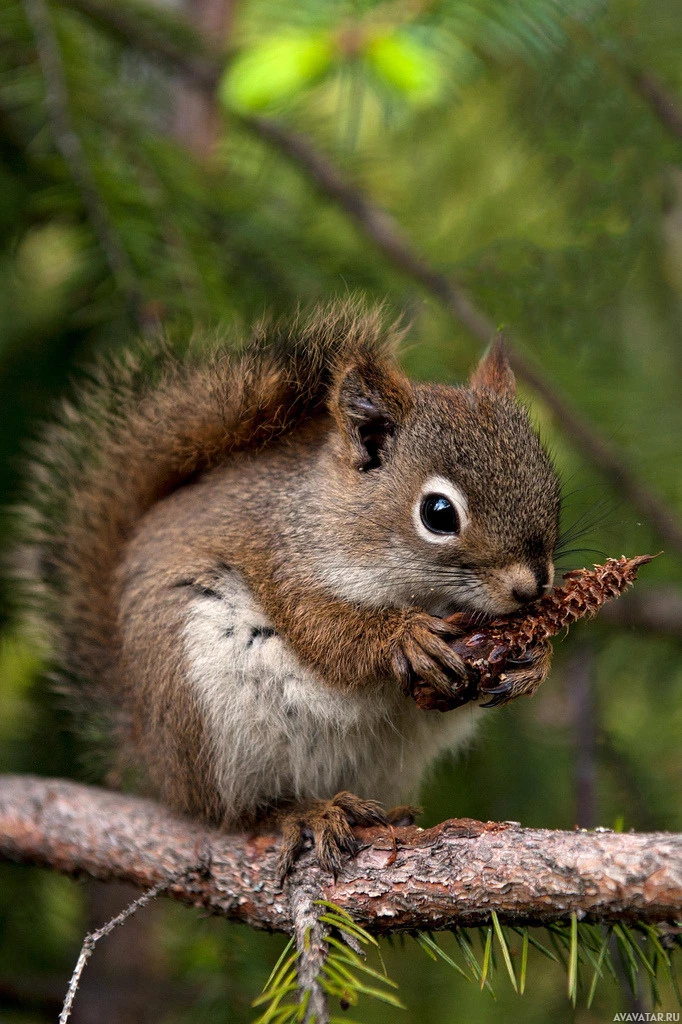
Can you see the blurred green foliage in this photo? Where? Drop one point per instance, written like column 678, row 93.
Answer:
column 511, row 146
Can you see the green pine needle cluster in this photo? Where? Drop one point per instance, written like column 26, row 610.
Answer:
column 588, row 953
column 345, row 975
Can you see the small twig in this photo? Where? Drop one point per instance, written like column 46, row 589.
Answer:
column 309, row 934
column 195, row 61
column 92, row 938
column 71, row 149
column 661, row 101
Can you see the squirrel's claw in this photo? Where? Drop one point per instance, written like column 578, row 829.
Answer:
column 327, row 826
column 522, row 676
column 498, row 695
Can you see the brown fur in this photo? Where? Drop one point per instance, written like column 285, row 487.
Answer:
column 296, row 464
column 141, row 429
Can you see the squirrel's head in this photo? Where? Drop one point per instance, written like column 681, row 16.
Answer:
column 454, row 499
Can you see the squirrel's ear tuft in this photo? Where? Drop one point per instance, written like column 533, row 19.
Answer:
column 494, row 372
column 369, row 402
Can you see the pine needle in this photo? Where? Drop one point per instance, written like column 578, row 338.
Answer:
column 627, row 958
column 524, row 962
column 486, row 956
column 597, row 971
column 573, row 961
column 505, row 951
column 432, row 949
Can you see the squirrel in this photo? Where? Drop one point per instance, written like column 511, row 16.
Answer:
column 240, row 560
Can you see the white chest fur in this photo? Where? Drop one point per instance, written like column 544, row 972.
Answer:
column 279, row 732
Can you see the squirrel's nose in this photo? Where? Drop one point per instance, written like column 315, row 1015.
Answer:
column 524, row 595
column 530, row 583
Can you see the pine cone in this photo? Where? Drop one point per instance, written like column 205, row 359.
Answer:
column 509, row 657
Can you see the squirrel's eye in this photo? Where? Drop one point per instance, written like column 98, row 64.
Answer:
column 439, row 514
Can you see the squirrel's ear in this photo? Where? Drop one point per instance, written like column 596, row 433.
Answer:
column 369, row 402
column 494, row 372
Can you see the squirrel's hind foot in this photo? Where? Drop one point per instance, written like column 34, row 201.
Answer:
column 328, row 826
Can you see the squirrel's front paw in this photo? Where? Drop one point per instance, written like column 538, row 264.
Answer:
column 423, row 655
column 328, row 826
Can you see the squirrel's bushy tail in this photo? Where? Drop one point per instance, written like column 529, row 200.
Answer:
column 141, row 427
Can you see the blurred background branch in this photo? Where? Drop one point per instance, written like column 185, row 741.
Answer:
column 386, row 235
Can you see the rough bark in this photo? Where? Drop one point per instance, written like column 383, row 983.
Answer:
column 453, row 874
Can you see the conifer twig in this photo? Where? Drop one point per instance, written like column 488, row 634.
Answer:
column 92, row 938
column 309, row 934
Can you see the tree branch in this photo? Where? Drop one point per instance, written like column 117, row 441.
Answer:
column 190, row 57
column 660, row 99
column 381, row 229
column 310, row 936
column 453, row 874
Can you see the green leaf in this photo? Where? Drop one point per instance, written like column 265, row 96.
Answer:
column 275, row 69
column 303, row 1005
column 405, row 65
column 421, row 942
column 384, row 997
column 288, row 984
column 358, row 930
column 349, row 926
column 274, row 1012
column 627, row 958
column 654, row 939
column 279, row 963
column 536, row 944
column 348, row 956
column 637, row 949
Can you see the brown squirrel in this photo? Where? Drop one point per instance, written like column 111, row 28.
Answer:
column 242, row 560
